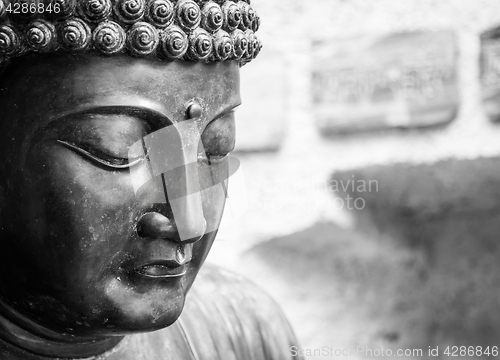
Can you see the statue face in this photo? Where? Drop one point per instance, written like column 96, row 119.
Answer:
column 91, row 243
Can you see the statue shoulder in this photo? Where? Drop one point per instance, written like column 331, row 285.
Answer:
column 230, row 317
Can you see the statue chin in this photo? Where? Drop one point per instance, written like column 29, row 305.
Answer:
column 117, row 306
column 125, row 313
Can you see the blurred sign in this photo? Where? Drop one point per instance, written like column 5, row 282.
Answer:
column 490, row 72
column 403, row 80
column 261, row 119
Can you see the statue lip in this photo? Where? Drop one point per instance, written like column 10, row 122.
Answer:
column 161, row 269
column 163, row 259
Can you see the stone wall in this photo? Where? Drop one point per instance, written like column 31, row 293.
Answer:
column 305, row 159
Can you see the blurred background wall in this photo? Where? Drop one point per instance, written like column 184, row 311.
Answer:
column 417, row 266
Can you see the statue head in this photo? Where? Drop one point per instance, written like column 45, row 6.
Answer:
column 116, row 121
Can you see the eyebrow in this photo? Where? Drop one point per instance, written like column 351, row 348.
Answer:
column 154, row 118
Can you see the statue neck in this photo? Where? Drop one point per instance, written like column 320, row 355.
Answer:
column 29, row 336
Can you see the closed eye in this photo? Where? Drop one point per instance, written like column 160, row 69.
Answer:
column 100, row 157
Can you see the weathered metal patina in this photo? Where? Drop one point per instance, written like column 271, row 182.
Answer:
column 95, row 254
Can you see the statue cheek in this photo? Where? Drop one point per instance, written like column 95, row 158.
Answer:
column 76, row 183
column 75, row 208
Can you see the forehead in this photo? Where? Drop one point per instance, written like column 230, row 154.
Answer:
column 53, row 87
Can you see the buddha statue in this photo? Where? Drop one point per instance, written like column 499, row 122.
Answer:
column 117, row 118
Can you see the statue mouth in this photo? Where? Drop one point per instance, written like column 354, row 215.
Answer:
column 162, row 260
column 161, row 271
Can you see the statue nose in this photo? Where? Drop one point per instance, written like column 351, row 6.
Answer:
column 157, row 226
column 173, row 179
